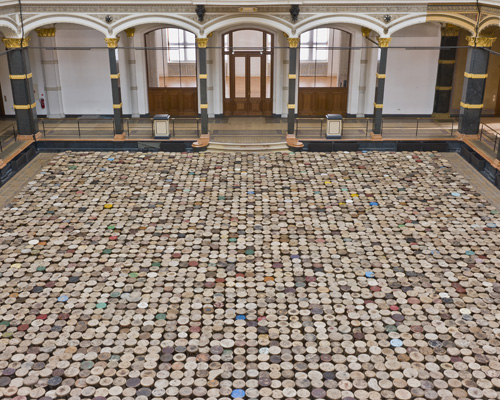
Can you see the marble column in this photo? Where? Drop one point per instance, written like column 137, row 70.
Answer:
column 115, row 86
column 293, row 44
column 476, row 69
column 202, row 62
column 446, row 68
column 22, row 86
column 379, row 92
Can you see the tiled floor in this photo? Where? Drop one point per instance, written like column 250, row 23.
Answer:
column 240, row 276
column 21, row 179
column 478, row 181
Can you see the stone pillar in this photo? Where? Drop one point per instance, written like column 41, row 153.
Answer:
column 292, row 83
column 362, row 74
column 379, row 91
column 202, row 61
column 22, row 86
column 475, row 74
column 446, row 67
column 134, row 99
column 115, row 86
column 50, row 67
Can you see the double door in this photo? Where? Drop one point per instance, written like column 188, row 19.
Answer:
column 247, row 83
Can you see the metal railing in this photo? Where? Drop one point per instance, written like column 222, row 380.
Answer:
column 392, row 127
column 69, row 128
column 104, row 128
column 310, row 128
column 185, row 128
column 8, row 135
column 421, row 126
column 139, row 128
column 355, row 128
column 490, row 137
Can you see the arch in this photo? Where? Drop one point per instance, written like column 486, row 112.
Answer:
column 422, row 18
column 40, row 20
column 361, row 21
column 489, row 22
column 266, row 22
column 8, row 28
column 406, row 21
column 457, row 20
column 156, row 20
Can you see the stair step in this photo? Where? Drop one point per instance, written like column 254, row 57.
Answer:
column 247, row 147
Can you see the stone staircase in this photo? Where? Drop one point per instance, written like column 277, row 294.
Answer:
column 218, row 147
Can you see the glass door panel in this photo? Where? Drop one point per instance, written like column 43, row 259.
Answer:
column 268, row 75
column 240, row 75
column 227, row 77
column 255, row 76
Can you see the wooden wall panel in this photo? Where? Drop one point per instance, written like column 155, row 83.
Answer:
column 317, row 102
column 181, row 102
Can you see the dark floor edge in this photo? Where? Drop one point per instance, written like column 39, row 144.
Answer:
column 467, row 152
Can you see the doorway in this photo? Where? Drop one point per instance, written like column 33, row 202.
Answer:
column 248, row 64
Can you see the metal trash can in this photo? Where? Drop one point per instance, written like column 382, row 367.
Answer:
column 161, row 126
column 333, row 126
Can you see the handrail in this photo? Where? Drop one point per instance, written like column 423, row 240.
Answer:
column 197, row 119
column 106, row 123
column 5, row 138
column 385, row 123
column 495, row 133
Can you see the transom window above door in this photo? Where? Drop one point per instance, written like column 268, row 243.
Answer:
column 247, row 40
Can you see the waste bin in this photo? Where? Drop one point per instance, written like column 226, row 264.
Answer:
column 333, row 126
column 161, row 126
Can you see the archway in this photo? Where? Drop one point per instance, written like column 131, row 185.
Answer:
column 171, row 72
column 324, row 58
column 247, row 72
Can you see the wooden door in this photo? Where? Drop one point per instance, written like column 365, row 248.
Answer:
column 248, row 93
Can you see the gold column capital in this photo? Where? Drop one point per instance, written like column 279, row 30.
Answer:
column 130, row 32
column 293, row 42
column 366, row 32
column 112, row 42
column 480, row 41
column 15, row 43
column 202, row 43
column 46, row 32
column 450, row 30
column 384, row 41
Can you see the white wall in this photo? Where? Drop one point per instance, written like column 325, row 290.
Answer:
column 411, row 74
column 8, row 101
column 38, row 78
column 85, row 81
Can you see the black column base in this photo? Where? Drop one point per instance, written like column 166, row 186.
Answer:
column 377, row 122
column 469, row 121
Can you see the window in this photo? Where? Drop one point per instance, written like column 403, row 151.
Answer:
column 171, row 58
column 181, row 45
column 324, row 58
column 311, row 44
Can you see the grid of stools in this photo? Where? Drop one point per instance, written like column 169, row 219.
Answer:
column 227, row 276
